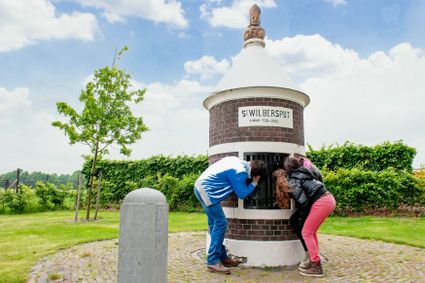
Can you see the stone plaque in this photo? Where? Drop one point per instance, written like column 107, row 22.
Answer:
column 265, row 116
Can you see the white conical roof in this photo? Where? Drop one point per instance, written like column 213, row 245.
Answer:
column 254, row 67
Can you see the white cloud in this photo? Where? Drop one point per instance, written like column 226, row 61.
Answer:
column 206, row 67
column 305, row 56
column 25, row 22
column 178, row 125
column 234, row 16
column 29, row 141
column 336, row 3
column 364, row 100
column 177, row 121
column 159, row 11
column 113, row 18
column 12, row 101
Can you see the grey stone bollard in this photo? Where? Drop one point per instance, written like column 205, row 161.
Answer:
column 143, row 242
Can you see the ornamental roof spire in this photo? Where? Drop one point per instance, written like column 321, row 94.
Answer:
column 254, row 30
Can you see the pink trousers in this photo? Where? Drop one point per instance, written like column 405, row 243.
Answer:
column 320, row 210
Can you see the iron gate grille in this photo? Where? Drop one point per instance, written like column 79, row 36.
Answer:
column 264, row 196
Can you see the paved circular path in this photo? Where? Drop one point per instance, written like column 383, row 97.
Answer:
column 350, row 260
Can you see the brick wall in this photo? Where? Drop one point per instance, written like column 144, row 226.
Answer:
column 260, row 230
column 224, row 123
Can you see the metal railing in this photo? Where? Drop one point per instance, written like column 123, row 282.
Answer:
column 264, row 196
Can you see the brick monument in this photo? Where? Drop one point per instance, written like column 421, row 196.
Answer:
column 256, row 112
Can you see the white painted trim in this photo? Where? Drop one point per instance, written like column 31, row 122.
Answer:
column 263, row 253
column 254, row 42
column 256, row 146
column 266, row 253
column 256, row 92
column 269, row 214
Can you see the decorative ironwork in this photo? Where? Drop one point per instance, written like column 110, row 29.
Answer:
column 264, row 195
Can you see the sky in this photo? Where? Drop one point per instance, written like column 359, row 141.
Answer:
column 361, row 62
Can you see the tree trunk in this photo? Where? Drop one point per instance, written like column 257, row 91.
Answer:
column 93, row 168
column 77, row 205
column 99, row 181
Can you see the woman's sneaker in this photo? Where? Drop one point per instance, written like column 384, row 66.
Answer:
column 305, row 263
column 218, row 268
column 315, row 270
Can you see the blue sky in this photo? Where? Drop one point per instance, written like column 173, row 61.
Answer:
column 361, row 63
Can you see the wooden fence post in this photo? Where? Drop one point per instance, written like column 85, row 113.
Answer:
column 77, row 205
column 17, row 180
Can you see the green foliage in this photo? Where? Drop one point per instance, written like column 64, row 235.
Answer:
column 42, row 191
column 12, row 201
column 22, row 202
column 376, row 158
column 357, row 186
column 106, row 117
column 358, row 190
column 179, row 192
column 43, row 197
column 174, row 176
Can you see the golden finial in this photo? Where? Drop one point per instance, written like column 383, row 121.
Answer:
column 254, row 30
column 254, row 15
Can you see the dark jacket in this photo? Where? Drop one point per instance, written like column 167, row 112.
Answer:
column 316, row 173
column 305, row 188
column 310, row 166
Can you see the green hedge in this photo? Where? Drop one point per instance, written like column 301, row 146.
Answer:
column 362, row 178
column 171, row 175
column 357, row 190
column 376, row 158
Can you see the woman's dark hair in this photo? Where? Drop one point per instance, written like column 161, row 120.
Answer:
column 291, row 164
column 258, row 168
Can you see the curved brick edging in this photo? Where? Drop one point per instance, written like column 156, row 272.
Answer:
column 349, row 260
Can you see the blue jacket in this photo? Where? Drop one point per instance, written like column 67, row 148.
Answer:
column 224, row 177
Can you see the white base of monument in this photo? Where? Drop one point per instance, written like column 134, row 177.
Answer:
column 264, row 253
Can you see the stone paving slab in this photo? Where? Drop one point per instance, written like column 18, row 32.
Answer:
column 349, row 260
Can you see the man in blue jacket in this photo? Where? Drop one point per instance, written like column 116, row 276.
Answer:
column 215, row 184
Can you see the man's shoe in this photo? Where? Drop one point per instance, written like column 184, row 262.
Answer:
column 315, row 270
column 229, row 262
column 305, row 263
column 218, row 268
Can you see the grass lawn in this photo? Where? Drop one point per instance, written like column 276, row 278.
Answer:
column 24, row 239
column 399, row 230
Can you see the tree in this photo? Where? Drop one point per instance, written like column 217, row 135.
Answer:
column 106, row 118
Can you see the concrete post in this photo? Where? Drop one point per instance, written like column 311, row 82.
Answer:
column 143, row 239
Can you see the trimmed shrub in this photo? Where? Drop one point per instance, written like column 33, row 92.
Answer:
column 375, row 158
column 121, row 177
column 361, row 178
column 357, row 190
